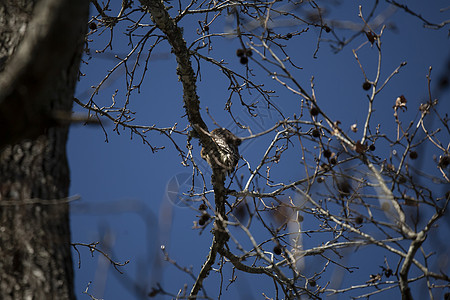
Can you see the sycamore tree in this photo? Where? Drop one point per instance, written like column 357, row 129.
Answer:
column 316, row 189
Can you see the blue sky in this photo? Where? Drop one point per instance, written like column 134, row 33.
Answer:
column 124, row 186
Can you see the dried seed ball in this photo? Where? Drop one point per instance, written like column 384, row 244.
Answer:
column 206, row 28
column 92, row 26
column 344, row 187
column 240, row 52
column 359, row 220
column 277, row 250
column 249, row 52
column 333, row 160
column 206, row 216
column 372, row 147
column 413, row 155
column 300, row 218
column 314, row 111
column 424, row 107
column 320, row 179
column 315, row 133
column 312, row 283
column 366, row 85
column 202, row 206
column 289, row 35
column 327, row 29
column 388, row 272
column 244, row 60
column 327, row 153
column 401, row 179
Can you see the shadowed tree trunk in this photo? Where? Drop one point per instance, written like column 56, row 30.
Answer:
column 40, row 49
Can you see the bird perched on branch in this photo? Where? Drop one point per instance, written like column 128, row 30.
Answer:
column 227, row 144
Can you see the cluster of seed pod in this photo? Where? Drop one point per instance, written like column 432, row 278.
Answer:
column 243, row 55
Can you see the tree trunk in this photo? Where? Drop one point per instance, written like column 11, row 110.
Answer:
column 40, row 49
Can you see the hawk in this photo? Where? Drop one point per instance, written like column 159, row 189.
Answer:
column 227, row 144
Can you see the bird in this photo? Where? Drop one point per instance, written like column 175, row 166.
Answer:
column 227, row 145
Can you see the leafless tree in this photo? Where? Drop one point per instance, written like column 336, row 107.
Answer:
column 353, row 197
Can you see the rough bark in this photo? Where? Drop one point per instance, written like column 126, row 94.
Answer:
column 40, row 49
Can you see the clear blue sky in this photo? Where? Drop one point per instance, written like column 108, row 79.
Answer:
column 123, row 185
